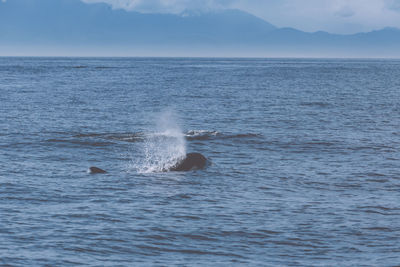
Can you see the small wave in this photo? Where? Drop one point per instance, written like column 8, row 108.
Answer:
column 192, row 135
column 212, row 135
column 201, row 134
column 128, row 137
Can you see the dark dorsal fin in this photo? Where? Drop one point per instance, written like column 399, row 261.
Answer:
column 94, row 170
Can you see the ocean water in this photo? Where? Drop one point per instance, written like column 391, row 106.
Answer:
column 304, row 162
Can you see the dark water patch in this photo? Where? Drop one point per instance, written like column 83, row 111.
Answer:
column 306, row 146
column 38, row 200
column 88, row 250
column 269, row 232
column 23, row 144
column 125, row 137
column 342, row 147
column 378, row 180
column 110, row 240
column 180, row 197
column 109, row 189
column 87, row 216
column 200, row 237
column 299, row 243
column 188, row 217
column 79, row 142
column 316, row 104
column 161, row 230
column 380, row 229
column 104, row 67
column 349, row 185
column 25, row 69
column 159, row 237
column 238, row 234
column 374, row 148
column 80, row 67
column 190, row 251
column 88, row 135
column 374, row 174
column 380, row 210
column 91, row 67
column 15, row 190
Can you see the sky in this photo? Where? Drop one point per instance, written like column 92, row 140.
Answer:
column 334, row 16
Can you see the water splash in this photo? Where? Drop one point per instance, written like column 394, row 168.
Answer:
column 163, row 148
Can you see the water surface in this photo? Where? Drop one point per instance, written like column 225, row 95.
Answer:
column 305, row 161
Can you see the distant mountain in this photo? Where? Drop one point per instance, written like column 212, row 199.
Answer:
column 74, row 23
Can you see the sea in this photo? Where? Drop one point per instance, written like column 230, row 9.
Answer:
column 303, row 162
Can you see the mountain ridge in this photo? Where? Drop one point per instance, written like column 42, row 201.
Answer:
column 75, row 23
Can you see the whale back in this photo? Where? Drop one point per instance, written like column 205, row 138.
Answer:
column 192, row 161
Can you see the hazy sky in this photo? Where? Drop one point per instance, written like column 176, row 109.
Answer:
column 335, row 16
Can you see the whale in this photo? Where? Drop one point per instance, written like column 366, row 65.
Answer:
column 95, row 170
column 192, row 161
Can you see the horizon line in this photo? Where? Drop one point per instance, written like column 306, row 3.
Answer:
column 198, row 57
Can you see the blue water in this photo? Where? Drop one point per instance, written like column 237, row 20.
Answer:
column 305, row 162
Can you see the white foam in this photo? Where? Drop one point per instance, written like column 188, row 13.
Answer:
column 195, row 133
column 163, row 148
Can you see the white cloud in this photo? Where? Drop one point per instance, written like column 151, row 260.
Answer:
column 338, row 16
column 345, row 12
column 393, row 5
column 166, row 6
